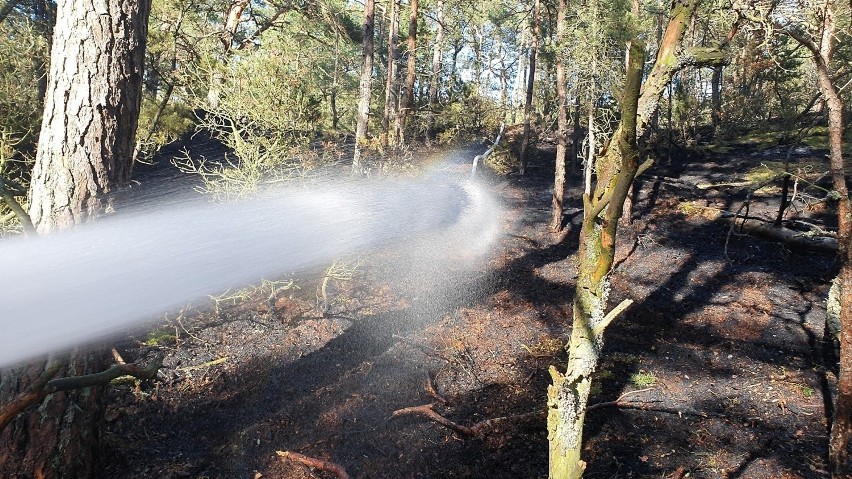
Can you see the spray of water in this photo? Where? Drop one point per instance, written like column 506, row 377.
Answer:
column 116, row 274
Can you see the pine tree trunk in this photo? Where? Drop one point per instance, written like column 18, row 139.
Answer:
column 407, row 107
column 364, row 85
column 390, row 81
column 92, row 101
column 85, row 151
column 562, row 123
column 525, row 143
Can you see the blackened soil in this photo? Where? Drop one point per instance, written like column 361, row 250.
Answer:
column 722, row 355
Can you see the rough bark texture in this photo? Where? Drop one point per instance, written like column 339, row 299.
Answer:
column 562, row 122
column 568, row 396
column 61, row 437
column 93, row 99
column 84, row 152
column 536, row 35
column 390, row 81
column 365, row 84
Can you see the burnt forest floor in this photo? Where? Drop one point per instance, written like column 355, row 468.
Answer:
column 723, row 355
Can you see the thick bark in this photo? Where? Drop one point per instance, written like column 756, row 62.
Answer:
column 568, row 396
column 364, row 85
column 84, row 152
column 525, row 143
column 61, row 437
column 390, row 81
column 562, row 122
column 437, row 53
column 92, row 102
column 407, row 107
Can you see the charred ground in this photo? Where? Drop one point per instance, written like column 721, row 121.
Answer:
column 728, row 351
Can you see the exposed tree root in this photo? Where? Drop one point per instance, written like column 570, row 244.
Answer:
column 315, row 463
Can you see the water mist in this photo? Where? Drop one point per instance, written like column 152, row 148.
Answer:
column 113, row 275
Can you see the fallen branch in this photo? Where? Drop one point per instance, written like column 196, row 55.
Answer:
column 645, row 406
column 315, row 463
column 793, row 238
column 477, row 430
column 104, row 377
column 426, row 410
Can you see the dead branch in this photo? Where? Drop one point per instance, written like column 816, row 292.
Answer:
column 793, row 238
column 646, row 406
column 104, row 377
column 430, row 389
column 426, row 410
column 315, row 463
column 477, row 430
column 487, row 153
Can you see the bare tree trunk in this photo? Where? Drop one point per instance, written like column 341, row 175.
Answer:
column 841, row 427
column 525, row 144
column 517, row 88
column 230, row 25
column 568, row 396
column 716, row 99
column 85, row 151
column 407, row 107
column 390, row 81
column 364, row 85
column 437, row 53
column 577, row 136
column 562, row 122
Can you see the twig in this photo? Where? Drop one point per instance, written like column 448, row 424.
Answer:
column 315, row 463
column 426, row 410
column 430, row 389
column 204, row 365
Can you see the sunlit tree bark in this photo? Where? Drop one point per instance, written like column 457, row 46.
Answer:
column 390, row 81
column 406, row 108
column 85, row 151
column 536, row 36
column 562, row 122
column 364, row 85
